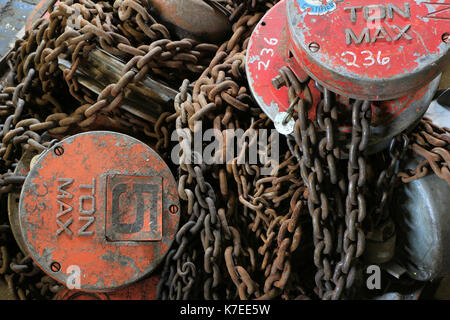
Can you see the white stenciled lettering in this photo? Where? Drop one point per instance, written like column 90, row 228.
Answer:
column 369, row 58
column 352, row 61
column 266, row 53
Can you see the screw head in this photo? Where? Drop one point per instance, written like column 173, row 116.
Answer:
column 314, row 46
column 59, row 151
column 446, row 37
column 55, row 266
column 173, row 209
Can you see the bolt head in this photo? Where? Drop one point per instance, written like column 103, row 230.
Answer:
column 173, row 209
column 55, row 266
column 59, row 151
column 314, row 46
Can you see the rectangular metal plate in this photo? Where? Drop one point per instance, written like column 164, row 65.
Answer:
column 133, row 208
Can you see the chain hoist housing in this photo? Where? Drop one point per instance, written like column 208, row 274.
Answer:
column 102, row 202
column 389, row 52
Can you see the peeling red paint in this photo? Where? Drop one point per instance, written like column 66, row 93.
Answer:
column 404, row 49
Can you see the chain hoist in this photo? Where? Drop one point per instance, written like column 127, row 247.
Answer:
column 333, row 81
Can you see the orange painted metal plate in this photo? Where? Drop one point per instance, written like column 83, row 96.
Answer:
column 99, row 201
column 142, row 290
column 371, row 49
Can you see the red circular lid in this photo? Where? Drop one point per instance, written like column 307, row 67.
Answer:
column 268, row 52
column 99, row 208
column 372, row 49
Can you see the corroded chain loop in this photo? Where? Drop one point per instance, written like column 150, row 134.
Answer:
column 355, row 206
column 432, row 143
column 267, row 210
column 387, row 180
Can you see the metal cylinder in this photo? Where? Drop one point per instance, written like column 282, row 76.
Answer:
column 422, row 210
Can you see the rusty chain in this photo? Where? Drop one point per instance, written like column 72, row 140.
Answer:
column 266, row 209
column 341, row 230
column 432, row 143
column 338, row 238
column 40, row 107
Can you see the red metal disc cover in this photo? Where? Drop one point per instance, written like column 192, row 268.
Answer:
column 102, row 202
column 372, row 49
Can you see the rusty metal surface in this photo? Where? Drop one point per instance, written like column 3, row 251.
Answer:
column 66, row 209
column 201, row 20
column 23, row 167
column 378, row 50
column 141, row 290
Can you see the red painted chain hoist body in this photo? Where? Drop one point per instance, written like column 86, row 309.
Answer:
column 387, row 51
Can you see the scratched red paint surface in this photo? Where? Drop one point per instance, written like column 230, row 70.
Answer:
column 401, row 44
column 268, row 52
column 402, row 53
column 104, row 264
column 142, row 290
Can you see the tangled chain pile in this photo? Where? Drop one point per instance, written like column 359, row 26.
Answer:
column 243, row 235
